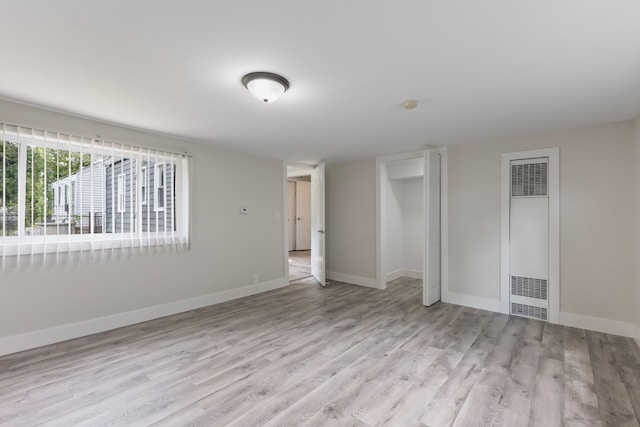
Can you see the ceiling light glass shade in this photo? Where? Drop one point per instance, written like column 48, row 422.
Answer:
column 265, row 87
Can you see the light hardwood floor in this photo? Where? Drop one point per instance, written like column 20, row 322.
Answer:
column 299, row 265
column 339, row 356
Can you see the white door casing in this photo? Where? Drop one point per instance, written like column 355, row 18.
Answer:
column 318, row 230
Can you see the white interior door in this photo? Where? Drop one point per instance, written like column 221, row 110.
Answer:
column 318, row 231
column 303, row 215
column 431, row 271
column 291, row 186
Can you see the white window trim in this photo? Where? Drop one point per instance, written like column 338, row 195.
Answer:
column 122, row 193
column 159, row 169
column 144, row 184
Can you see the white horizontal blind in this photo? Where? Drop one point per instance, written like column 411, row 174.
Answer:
column 60, row 193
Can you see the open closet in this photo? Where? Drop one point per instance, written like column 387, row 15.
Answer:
column 403, row 253
column 409, row 228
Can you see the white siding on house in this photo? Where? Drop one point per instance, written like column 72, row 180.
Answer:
column 82, row 183
column 84, row 187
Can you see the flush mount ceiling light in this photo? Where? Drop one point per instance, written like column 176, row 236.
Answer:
column 265, row 87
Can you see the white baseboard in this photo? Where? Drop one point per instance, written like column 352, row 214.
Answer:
column 599, row 324
column 404, row 272
column 16, row 343
column 472, row 301
column 354, row 280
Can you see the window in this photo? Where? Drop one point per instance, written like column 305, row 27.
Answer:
column 121, row 194
column 63, row 193
column 143, row 185
column 159, row 182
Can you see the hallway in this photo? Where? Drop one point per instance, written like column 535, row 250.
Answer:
column 299, row 265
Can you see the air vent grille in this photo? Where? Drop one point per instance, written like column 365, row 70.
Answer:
column 529, row 180
column 529, row 311
column 529, row 287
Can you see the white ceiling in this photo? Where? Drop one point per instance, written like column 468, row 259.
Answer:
column 479, row 69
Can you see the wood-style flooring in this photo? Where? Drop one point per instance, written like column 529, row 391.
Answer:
column 299, row 265
column 342, row 355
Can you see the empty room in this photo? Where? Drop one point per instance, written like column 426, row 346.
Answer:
column 337, row 213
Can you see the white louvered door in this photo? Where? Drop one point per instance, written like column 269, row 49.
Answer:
column 529, row 238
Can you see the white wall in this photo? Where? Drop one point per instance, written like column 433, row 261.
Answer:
column 598, row 219
column 393, row 246
column 351, row 221
column 227, row 249
column 413, row 223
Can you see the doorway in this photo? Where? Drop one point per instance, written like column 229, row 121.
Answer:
column 299, row 222
column 409, row 220
column 306, row 236
column 299, row 265
column 403, row 213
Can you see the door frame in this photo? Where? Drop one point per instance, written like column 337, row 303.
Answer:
column 380, row 200
column 554, row 226
column 381, row 177
column 290, row 169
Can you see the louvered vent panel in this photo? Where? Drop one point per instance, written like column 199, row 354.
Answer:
column 529, row 180
column 529, row 287
column 529, row 311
